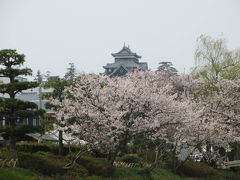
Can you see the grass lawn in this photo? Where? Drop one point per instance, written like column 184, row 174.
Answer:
column 17, row 174
column 133, row 174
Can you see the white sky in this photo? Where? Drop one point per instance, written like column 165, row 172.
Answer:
column 52, row 33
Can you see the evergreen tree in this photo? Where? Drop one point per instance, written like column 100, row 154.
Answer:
column 71, row 72
column 167, row 67
column 11, row 108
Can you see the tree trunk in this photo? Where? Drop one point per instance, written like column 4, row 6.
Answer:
column 60, row 137
column 156, row 155
column 113, row 156
column 174, row 158
column 12, row 136
column 60, row 143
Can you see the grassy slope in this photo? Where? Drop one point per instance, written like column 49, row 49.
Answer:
column 119, row 174
column 16, row 174
column 132, row 173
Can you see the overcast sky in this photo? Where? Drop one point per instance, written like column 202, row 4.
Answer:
column 52, row 33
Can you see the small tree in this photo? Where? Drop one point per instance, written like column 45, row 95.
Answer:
column 214, row 61
column 71, row 72
column 58, row 86
column 166, row 67
column 10, row 108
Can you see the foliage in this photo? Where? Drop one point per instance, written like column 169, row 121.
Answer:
column 45, row 164
column 10, row 108
column 96, row 166
column 144, row 102
column 165, row 174
column 235, row 152
column 166, row 67
column 71, row 72
column 214, row 61
column 20, row 132
column 17, row 173
column 196, row 169
column 225, row 174
column 133, row 174
column 58, row 85
column 130, row 158
column 44, row 147
column 146, row 172
column 77, row 171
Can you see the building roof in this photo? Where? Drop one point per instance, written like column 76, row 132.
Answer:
column 44, row 137
column 131, row 64
column 120, row 70
column 125, row 61
column 125, row 52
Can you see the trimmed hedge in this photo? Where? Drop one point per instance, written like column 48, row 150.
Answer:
column 130, row 158
column 196, row 169
column 48, row 164
column 45, row 164
column 78, row 171
column 44, row 147
column 96, row 166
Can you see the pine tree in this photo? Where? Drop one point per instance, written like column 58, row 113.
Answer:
column 167, row 67
column 71, row 72
column 12, row 109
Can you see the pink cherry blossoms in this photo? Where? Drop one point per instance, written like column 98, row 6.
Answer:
column 108, row 112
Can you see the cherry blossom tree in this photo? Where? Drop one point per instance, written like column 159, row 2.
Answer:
column 220, row 102
column 107, row 112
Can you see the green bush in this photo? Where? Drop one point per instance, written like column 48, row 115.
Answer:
column 78, row 171
column 44, row 147
column 6, row 154
column 196, row 169
column 131, row 158
column 145, row 172
column 45, row 164
column 96, row 166
column 19, row 132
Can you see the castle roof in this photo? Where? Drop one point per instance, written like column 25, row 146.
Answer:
column 125, row 61
column 125, row 52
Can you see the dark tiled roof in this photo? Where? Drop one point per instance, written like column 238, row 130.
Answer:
column 129, row 63
column 125, row 51
column 125, row 59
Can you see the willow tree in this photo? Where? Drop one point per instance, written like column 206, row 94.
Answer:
column 214, row 61
column 12, row 109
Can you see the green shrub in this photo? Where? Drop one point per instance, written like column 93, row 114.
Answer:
column 6, row 154
column 44, row 147
column 78, row 171
column 94, row 178
column 146, row 172
column 130, row 158
column 96, row 166
column 196, row 169
column 226, row 174
column 45, row 164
